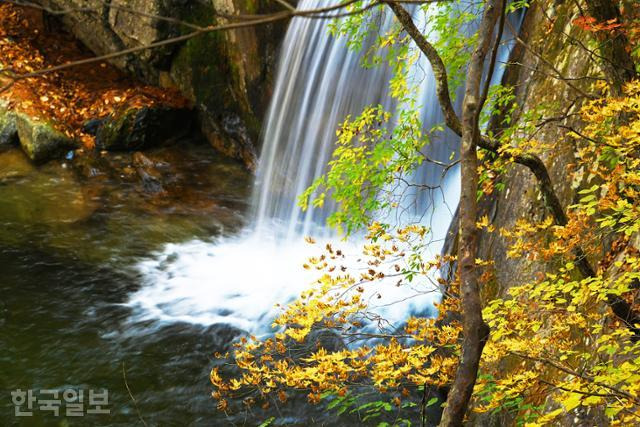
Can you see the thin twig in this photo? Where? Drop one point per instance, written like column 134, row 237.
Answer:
column 133, row 399
column 256, row 20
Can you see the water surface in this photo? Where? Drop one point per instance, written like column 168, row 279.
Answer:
column 72, row 236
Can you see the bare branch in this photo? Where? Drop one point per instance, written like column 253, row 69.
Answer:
column 66, row 11
column 577, row 374
column 256, row 20
column 439, row 69
column 494, row 57
column 548, row 63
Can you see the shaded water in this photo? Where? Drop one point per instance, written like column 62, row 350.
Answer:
column 69, row 246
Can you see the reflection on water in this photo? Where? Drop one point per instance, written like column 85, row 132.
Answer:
column 99, row 208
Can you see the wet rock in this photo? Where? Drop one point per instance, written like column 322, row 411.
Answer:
column 230, row 138
column 222, row 336
column 198, row 339
column 235, row 128
column 91, row 126
column 40, row 140
column 142, row 161
column 221, row 73
column 8, row 128
column 135, row 29
column 326, row 339
column 150, row 176
column 141, row 128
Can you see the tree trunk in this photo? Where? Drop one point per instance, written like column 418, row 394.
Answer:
column 475, row 331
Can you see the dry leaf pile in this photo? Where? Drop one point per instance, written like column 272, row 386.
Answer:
column 71, row 97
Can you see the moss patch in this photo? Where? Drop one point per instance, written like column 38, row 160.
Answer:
column 40, row 140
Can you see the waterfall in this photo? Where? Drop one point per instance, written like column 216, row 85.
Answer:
column 238, row 279
column 319, row 82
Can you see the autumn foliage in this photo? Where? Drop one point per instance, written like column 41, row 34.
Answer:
column 422, row 354
column 70, row 97
column 555, row 345
column 564, row 344
column 630, row 27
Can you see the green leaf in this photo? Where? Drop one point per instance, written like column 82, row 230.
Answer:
column 267, row 422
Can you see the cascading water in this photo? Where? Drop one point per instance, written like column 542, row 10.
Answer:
column 239, row 279
column 319, row 83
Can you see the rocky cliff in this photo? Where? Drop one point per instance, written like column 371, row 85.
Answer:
column 227, row 74
column 551, row 67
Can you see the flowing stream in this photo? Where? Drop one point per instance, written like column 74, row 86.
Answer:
column 105, row 286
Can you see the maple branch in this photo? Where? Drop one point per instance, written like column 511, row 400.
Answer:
column 475, row 331
column 584, row 393
column 452, row 120
column 576, row 374
column 494, row 57
column 437, row 65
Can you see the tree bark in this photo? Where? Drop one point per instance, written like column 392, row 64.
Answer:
column 474, row 330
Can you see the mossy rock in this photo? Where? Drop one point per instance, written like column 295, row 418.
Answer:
column 141, row 128
column 46, row 195
column 40, row 140
column 8, row 129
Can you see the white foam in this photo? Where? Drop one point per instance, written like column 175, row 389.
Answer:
column 240, row 280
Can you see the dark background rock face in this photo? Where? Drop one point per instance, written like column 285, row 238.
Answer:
column 225, row 74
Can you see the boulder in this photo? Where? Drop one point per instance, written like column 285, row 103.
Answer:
column 92, row 126
column 150, row 176
column 40, row 140
column 140, row 128
column 230, row 137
